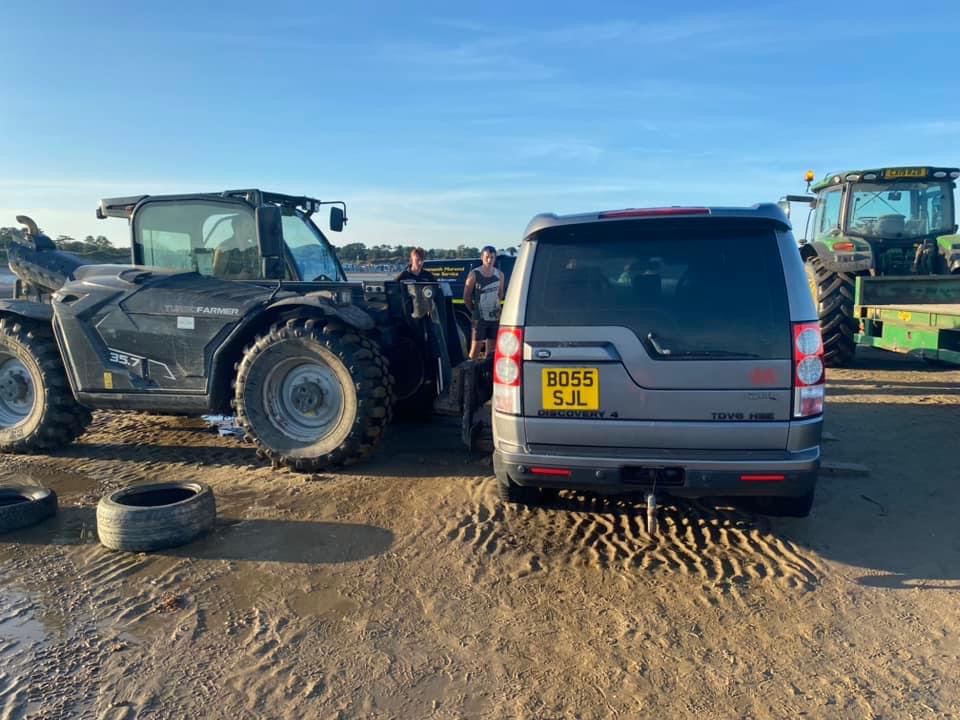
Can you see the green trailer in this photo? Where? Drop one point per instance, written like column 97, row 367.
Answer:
column 918, row 315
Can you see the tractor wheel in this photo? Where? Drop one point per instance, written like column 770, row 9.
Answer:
column 414, row 393
column 833, row 296
column 464, row 332
column 37, row 409
column 418, row 408
column 314, row 394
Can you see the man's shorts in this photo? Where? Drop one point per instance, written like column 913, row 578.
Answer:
column 483, row 330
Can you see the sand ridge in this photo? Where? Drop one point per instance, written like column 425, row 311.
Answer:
column 404, row 588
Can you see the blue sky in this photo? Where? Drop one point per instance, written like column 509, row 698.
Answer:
column 446, row 123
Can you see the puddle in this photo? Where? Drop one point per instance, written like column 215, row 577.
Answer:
column 72, row 525
column 71, row 488
column 19, row 625
column 323, row 602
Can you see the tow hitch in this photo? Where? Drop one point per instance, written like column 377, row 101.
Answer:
column 651, row 514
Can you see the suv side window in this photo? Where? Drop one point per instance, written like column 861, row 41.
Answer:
column 828, row 212
column 210, row 238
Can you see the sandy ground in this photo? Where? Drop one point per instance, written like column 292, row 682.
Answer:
column 407, row 590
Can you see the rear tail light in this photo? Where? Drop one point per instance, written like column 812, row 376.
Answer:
column 808, row 375
column 508, row 370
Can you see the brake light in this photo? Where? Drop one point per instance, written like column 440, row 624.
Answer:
column 555, row 472
column 843, row 246
column 808, row 375
column 653, row 212
column 508, row 370
column 763, row 478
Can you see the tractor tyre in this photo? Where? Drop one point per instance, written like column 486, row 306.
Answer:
column 37, row 409
column 418, row 408
column 314, row 394
column 414, row 390
column 833, row 296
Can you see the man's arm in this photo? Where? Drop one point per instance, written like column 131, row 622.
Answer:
column 468, row 291
column 503, row 284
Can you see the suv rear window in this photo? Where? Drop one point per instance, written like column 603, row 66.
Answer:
column 688, row 289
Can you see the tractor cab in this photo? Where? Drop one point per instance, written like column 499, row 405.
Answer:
column 891, row 221
column 234, row 235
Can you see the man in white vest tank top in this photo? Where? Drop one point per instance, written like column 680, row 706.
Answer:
column 482, row 295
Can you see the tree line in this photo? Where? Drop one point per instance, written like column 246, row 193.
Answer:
column 96, row 248
column 100, row 249
column 360, row 253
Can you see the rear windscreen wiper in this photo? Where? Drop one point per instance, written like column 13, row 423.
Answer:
column 657, row 347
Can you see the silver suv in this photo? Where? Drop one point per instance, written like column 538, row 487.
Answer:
column 670, row 349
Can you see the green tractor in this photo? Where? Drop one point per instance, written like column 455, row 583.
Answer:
column 884, row 222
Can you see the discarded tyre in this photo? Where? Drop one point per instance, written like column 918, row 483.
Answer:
column 25, row 505
column 155, row 516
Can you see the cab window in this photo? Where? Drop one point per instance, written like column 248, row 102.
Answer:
column 828, row 212
column 313, row 256
column 210, row 238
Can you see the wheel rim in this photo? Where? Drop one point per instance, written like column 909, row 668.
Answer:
column 304, row 399
column 16, row 391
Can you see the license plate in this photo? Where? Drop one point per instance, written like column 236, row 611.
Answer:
column 571, row 389
column 904, row 173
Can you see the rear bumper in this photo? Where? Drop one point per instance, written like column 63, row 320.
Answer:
column 681, row 473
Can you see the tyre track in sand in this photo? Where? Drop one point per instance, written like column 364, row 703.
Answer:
column 723, row 548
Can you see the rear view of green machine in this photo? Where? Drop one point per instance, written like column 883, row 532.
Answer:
column 874, row 226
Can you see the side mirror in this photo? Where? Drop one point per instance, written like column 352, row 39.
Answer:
column 338, row 218
column 270, row 231
column 785, row 206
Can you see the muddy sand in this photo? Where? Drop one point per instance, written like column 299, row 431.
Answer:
column 405, row 589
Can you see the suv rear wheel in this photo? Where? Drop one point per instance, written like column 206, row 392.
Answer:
column 509, row 492
column 314, row 394
column 798, row 507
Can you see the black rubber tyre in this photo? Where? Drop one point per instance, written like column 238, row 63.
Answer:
column 37, row 409
column 509, row 492
column 25, row 505
column 414, row 392
column 833, row 296
column 418, row 407
column 314, row 394
column 798, row 507
column 155, row 516
column 464, row 331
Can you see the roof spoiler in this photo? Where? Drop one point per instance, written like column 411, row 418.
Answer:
column 121, row 207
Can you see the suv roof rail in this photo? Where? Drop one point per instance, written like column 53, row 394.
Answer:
column 768, row 212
